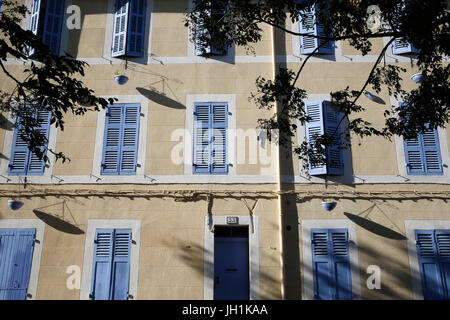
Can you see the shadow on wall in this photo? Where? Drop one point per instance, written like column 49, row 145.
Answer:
column 374, row 227
column 58, row 221
column 5, row 123
column 160, row 98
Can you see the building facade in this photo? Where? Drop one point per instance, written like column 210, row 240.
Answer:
column 172, row 192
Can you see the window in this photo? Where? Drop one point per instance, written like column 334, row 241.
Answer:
column 210, row 138
column 331, row 264
column 433, row 250
column 309, row 24
column 401, row 46
column 324, row 119
column 121, row 139
column 16, row 254
column 423, row 156
column 111, row 266
column 129, row 28
column 217, row 47
column 23, row 161
column 46, row 22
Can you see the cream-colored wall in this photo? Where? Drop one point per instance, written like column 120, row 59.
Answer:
column 87, row 42
column 172, row 239
column 347, row 49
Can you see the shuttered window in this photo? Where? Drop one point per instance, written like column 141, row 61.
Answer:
column 121, row 139
column 23, row 161
column 331, row 264
column 324, row 119
column 111, row 267
column 309, row 24
column 129, row 28
column 401, row 46
column 202, row 48
column 16, row 254
column 423, row 155
column 433, row 249
column 210, row 138
column 46, row 21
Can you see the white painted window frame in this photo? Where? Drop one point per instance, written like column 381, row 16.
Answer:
column 93, row 225
column 142, row 140
column 39, row 225
column 253, row 242
column 191, row 99
column 7, row 148
column 146, row 57
column 308, row 275
column 410, row 227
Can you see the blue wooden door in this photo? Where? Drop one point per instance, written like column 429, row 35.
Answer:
column 231, row 272
column 16, row 253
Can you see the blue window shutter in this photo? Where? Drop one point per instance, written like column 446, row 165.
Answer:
column 401, row 46
column 219, row 125
column 136, row 28
column 322, row 264
column 430, row 270
column 54, row 15
column 19, row 154
column 443, row 246
column 121, row 264
column 331, row 264
column 130, row 138
column 431, row 151
column 34, row 21
column 315, row 127
column 414, row 156
column 16, row 254
column 102, row 265
column 202, row 138
column 111, row 141
column 341, row 264
column 119, row 45
column 332, row 118
column 36, row 166
column 308, row 26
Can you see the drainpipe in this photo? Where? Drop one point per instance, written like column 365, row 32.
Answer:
column 279, row 179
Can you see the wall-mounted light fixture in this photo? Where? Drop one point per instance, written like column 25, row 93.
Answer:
column 328, row 205
column 369, row 95
column 14, row 204
column 417, row 78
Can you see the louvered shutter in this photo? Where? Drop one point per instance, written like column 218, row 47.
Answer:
column 111, row 143
column 413, row 153
column 429, row 263
column 202, row 138
column 36, row 166
column 136, row 28
column 102, row 265
column 331, row 264
column 201, row 31
column 121, row 264
column 34, row 21
column 315, row 127
column 308, row 26
column 16, row 254
column 401, row 46
column 54, row 15
column 334, row 153
column 219, row 138
column 431, row 151
column 322, row 265
column 120, row 28
column 341, row 264
column 19, row 154
column 130, row 136
column 443, row 245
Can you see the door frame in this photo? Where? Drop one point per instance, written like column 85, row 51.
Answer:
column 253, row 252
